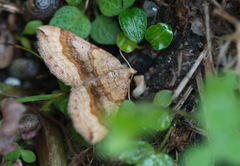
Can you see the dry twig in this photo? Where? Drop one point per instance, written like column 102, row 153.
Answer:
column 189, row 75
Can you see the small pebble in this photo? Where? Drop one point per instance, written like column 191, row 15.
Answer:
column 140, row 86
column 200, row 45
column 24, row 68
column 198, row 28
column 229, row 5
column 150, row 8
column 12, row 81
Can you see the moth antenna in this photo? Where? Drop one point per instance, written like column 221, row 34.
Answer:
column 120, row 51
column 23, row 48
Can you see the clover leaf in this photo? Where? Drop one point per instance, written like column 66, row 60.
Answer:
column 136, row 152
column 159, row 36
column 114, row 7
column 28, row 156
column 31, row 26
column 125, row 44
column 133, row 23
column 104, row 30
column 163, row 98
column 14, row 155
column 160, row 159
column 73, row 20
column 74, row 2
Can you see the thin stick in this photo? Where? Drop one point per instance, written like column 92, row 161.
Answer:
column 173, row 115
column 183, row 99
column 162, row 3
column 23, row 48
column 209, row 69
column 120, row 51
column 86, row 4
column 132, row 70
column 234, row 36
column 222, row 54
column 10, row 7
column 216, row 3
column 226, row 16
column 189, row 75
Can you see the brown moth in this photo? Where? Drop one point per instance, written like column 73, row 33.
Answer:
column 99, row 81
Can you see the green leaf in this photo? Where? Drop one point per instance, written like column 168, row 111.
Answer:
column 114, row 7
column 28, row 156
column 14, row 155
column 30, row 28
column 25, row 42
column 23, row 48
column 73, row 20
column 131, row 122
column 104, row 30
column 198, row 156
column 126, row 105
column 52, row 100
column 159, row 36
column 133, row 23
column 9, row 163
column 163, row 98
column 35, row 98
column 63, row 87
column 160, row 159
column 154, row 118
column 63, row 107
column 219, row 115
column 74, row 2
column 136, row 152
column 125, row 44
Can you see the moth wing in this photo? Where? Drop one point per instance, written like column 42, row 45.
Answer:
column 91, row 106
column 72, row 59
column 99, row 81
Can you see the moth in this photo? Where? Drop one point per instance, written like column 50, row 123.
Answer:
column 99, row 82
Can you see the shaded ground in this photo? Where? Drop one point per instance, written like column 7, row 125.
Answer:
column 162, row 69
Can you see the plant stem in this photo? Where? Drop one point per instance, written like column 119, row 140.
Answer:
column 141, row 47
column 23, row 48
column 95, row 12
column 182, row 113
column 167, row 136
column 35, row 98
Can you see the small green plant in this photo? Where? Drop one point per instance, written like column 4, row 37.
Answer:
column 73, row 20
column 133, row 23
column 133, row 121
column 30, row 29
column 27, row 155
column 124, row 139
column 104, row 30
column 125, row 43
column 159, row 36
column 219, row 116
column 114, row 7
column 74, row 2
